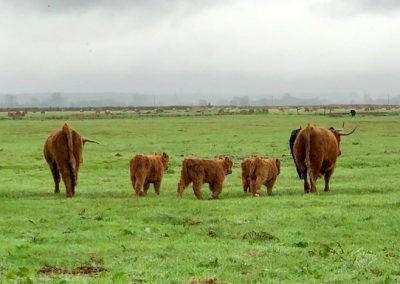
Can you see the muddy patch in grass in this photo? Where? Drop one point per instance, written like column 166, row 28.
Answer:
column 173, row 220
column 81, row 270
column 204, row 281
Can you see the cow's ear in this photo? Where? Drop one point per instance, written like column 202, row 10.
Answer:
column 227, row 159
column 165, row 155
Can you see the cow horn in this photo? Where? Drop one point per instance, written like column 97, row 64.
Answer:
column 351, row 132
column 85, row 139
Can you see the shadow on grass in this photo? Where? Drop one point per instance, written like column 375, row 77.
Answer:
column 59, row 196
column 225, row 195
column 31, row 195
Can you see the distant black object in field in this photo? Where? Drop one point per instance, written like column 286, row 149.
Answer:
column 353, row 112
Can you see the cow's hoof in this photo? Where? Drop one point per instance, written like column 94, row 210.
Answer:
column 256, row 195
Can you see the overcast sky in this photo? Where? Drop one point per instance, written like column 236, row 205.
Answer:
column 200, row 46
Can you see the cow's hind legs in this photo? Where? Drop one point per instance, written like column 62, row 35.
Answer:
column 327, row 178
column 197, row 188
column 157, row 186
column 270, row 185
column 56, row 176
column 181, row 188
column 146, row 186
column 313, row 182
column 138, row 186
column 133, row 181
column 253, row 187
column 246, row 184
column 216, row 190
column 306, row 184
column 69, row 184
column 256, row 187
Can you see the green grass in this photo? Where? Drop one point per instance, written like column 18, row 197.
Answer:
column 347, row 235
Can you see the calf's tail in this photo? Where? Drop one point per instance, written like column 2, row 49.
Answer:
column 253, row 168
column 185, row 172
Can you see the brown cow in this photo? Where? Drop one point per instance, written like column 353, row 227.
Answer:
column 263, row 171
column 146, row 169
column 63, row 152
column 201, row 171
column 315, row 151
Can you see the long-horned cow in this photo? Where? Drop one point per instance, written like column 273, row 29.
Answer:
column 315, row 150
column 63, row 153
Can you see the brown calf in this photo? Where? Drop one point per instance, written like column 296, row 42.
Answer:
column 263, row 171
column 201, row 171
column 63, row 153
column 147, row 169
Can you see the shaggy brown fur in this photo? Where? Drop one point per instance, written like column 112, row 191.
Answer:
column 246, row 165
column 263, row 171
column 201, row 171
column 315, row 152
column 63, row 153
column 147, row 169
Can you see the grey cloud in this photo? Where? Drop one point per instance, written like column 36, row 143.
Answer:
column 350, row 8
column 203, row 46
column 63, row 6
column 377, row 5
column 142, row 13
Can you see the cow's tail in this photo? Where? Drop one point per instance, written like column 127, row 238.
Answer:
column 140, row 162
column 185, row 172
column 132, row 167
column 308, row 149
column 253, row 168
column 140, row 166
column 184, row 180
column 70, row 146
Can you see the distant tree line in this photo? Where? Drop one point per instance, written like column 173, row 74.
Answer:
column 60, row 100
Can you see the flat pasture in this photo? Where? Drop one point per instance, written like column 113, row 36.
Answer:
column 106, row 234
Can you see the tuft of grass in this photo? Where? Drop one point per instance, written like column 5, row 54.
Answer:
column 259, row 236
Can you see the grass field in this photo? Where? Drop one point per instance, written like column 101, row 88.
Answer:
column 350, row 234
